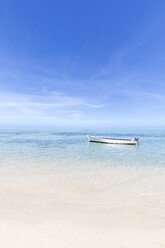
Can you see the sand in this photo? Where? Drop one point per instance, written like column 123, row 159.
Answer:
column 54, row 214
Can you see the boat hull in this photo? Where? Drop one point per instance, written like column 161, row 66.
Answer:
column 112, row 140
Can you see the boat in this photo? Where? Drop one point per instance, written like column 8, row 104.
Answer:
column 113, row 140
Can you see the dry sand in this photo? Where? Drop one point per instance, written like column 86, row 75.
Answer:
column 62, row 215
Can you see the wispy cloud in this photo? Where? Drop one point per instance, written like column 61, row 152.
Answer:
column 53, row 106
column 142, row 93
column 51, row 100
column 94, row 105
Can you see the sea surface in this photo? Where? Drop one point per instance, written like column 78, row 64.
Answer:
column 67, row 155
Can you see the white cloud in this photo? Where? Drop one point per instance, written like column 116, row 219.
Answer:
column 52, row 106
column 141, row 93
column 93, row 105
column 51, row 100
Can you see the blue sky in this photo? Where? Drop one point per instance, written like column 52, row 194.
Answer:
column 82, row 63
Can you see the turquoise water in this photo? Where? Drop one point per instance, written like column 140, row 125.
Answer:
column 52, row 149
column 66, row 157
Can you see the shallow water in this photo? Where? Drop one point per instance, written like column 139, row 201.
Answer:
column 68, row 156
column 54, row 146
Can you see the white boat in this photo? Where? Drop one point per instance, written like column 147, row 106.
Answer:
column 113, row 140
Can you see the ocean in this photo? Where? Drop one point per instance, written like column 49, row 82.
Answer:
column 66, row 155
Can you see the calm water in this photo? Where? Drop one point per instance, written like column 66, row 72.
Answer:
column 32, row 149
column 69, row 157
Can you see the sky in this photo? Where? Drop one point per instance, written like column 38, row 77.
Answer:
column 83, row 63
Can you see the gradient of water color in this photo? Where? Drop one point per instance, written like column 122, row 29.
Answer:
column 66, row 154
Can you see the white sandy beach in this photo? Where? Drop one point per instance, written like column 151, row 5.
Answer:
column 49, row 213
